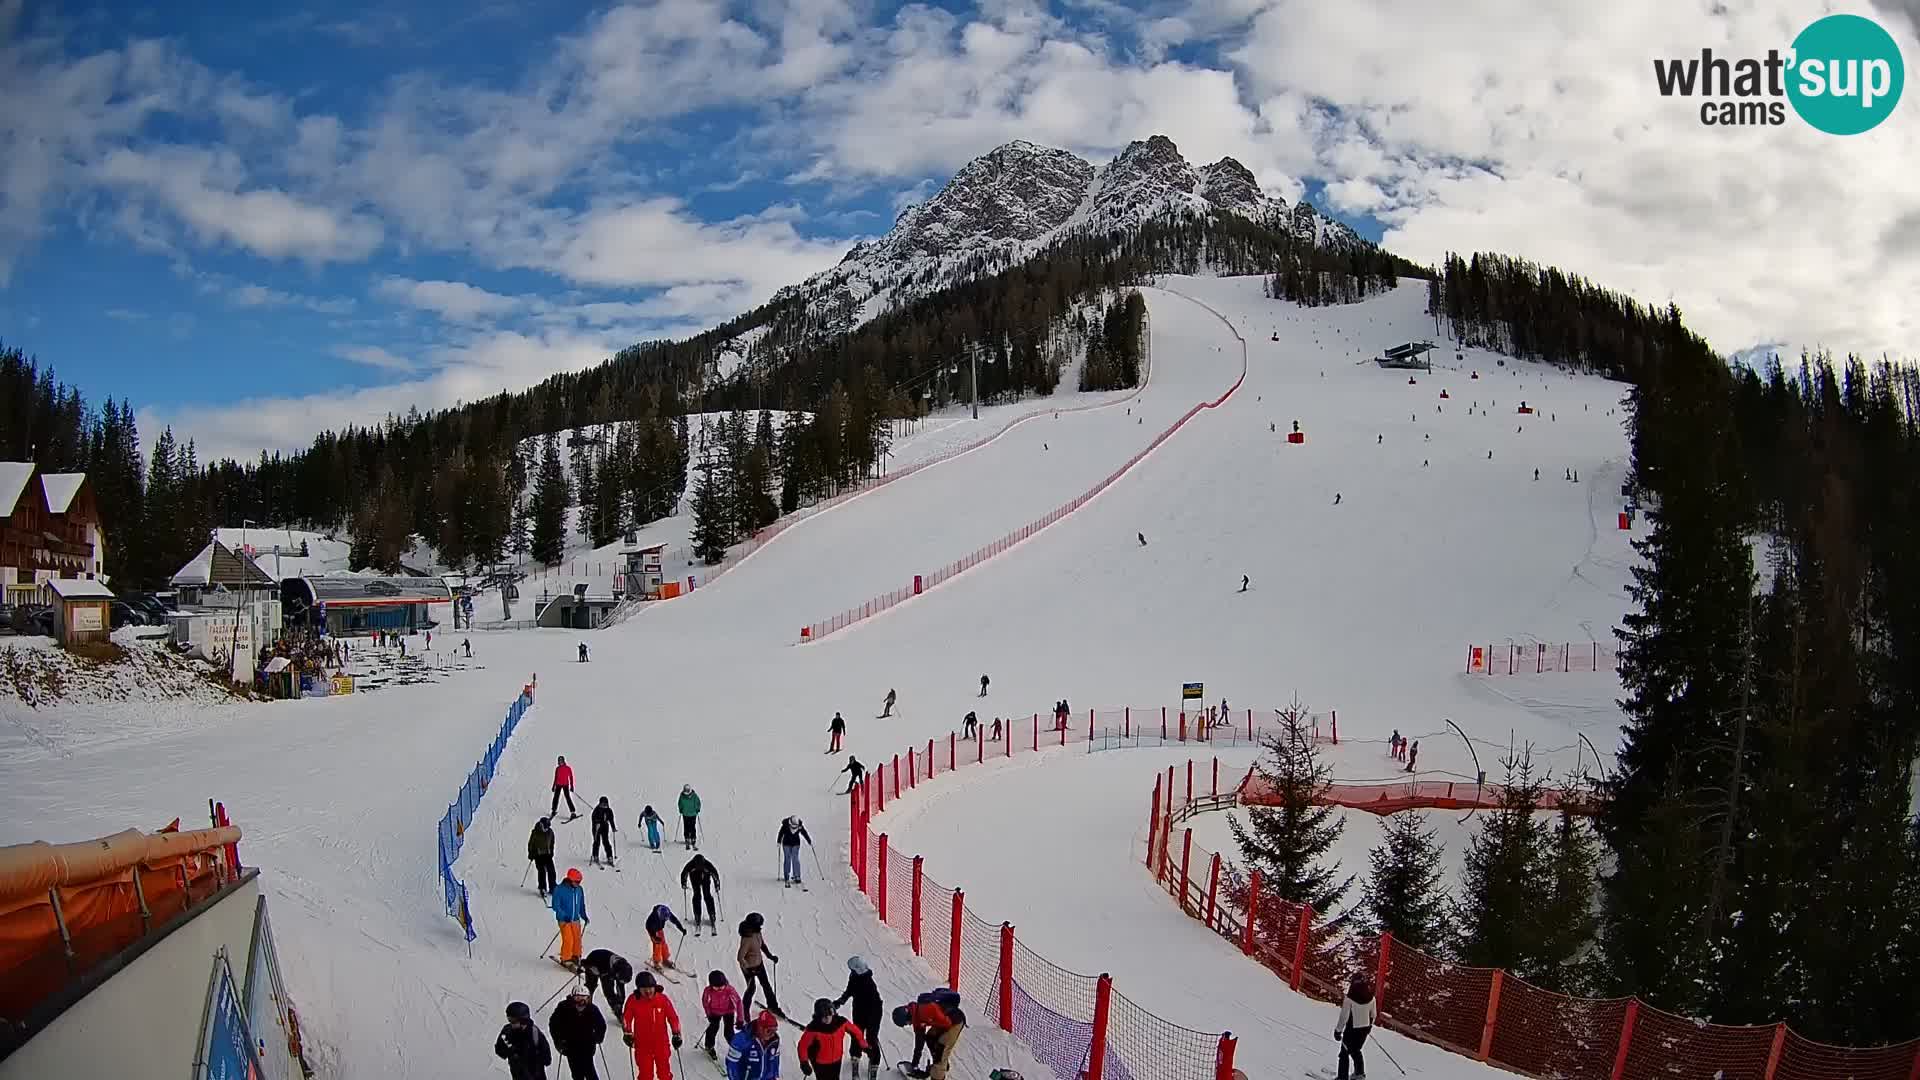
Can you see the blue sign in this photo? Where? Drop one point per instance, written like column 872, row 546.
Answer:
column 226, row 1050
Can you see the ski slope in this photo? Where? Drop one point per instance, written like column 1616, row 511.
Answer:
column 1366, row 607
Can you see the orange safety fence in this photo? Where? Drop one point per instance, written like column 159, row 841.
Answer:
column 1079, row 1025
column 67, row 908
column 1540, row 657
column 1484, row 1013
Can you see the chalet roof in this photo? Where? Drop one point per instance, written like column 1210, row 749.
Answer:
column 217, row 564
column 61, row 488
column 80, row 589
column 13, row 480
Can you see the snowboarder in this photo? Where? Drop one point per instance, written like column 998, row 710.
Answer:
column 867, row 1010
column 610, row 973
column 657, row 922
column 570, row 911
column 1353, row 1025
column 650, row 821
column 721, row 1003
column 754, row 1053
column 1244, row 582
column 983, row 686
column 754, row 957
column 858, row 771
column 824, row 1042
column 540, row 854
column 937, row 1024
column 603, row 831
column 1143, row 538
column 791, row 833
column 522, row 1046
column 689, row 809
column 1413, row 755
column 583, row 652
column 563, row 785
column 578, row 1027
column 886, row 710
column 701, row 876
column 970, row 724
column 836, row 730
column 652, row 1025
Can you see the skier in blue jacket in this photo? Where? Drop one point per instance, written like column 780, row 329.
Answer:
column 754, row 1053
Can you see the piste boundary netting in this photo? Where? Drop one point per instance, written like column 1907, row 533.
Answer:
column 459, row 815
column 922, row 582
column 1485, row 1013
column 1078, row 1025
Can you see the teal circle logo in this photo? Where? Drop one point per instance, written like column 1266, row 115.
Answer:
column 1846, row 74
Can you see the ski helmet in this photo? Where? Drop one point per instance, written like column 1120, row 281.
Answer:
column 603, row 800
column 858, row 966
column 755, row 920
column 545, row 823
column 716, row 978
column 686, row 789
column 518, row 1011
column 661, row 910
column 644, row 981
column 580, row 991
column 621, row 970
column 766, row 1021
column 822, row 1008
column 573, row 874
column 902, row 1016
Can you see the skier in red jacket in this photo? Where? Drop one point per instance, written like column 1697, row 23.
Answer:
column 563, row 785
column 653, row 1029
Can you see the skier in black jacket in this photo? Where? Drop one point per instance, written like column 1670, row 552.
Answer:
column 857, row 772
column 603, row 830
column 867, row 1011
column 578, row 1027
column 608, row 969
column 791, row 833
column 522, row 1046
column 701, row 876
column 540, row 852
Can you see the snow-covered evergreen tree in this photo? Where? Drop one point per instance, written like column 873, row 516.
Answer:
column 1289, row 842
column 549, row 508
column 1505, row 887
column 1405, row 894
column 712, row 517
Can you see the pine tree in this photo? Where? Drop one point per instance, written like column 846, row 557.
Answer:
column 1406, row 894
column 1289, row 841
column 549, row 508
column 712, row 532
column 1504, row 887
column 1568, row 922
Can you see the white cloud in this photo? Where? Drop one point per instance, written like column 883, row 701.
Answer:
column 261, row 296
column 203, row 190
column 455, row 301
column 374, row 356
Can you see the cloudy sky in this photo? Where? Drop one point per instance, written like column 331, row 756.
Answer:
column 255, row 220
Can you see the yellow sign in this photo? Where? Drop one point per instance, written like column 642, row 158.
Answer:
column 343, row 684
column 1192, row 691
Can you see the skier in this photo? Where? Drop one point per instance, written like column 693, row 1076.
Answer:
column 467, row 644
column 701, row 876
column 1413, row 755
column 1536, row 474
column 689, row 809
column 583, row 652
column 824, row 1042
column 937, row 1025
column 610, row 972
column 867, row 1009
column 657, row 922
column 1353, row 1025
column 651, row 822
column 887, row 709
column 754, row 1053
column 563, row 785
column 570, row 911
column 983, row 686
column 858, row 770
column 1336, row 498
column 791, row 833
column 970, row 724
column 578, row 1027
column 1244, row 582
column 754, row 957
column 721, row 1003
column 996, row 730
column 603, row 831
column 540, row 854
column 836, row 730
column 648, row 1020
column 522, row 1046
column 1143, row 538
column 429, row 639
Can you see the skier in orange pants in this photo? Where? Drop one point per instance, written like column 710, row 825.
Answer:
column 652, row 1029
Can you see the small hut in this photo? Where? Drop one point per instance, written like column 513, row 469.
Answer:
column 82, row 611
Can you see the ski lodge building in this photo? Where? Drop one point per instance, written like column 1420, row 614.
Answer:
column 49, row 528
column 348, row 604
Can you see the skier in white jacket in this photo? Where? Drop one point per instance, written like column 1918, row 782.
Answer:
column 1353, row 1025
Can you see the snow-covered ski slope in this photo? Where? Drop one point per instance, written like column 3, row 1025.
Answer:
column 1366, row 607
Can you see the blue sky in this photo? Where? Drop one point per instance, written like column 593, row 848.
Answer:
column 256, row 221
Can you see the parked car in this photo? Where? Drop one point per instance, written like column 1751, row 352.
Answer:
column 22, row 619
column 125, row 614
column 149, row 605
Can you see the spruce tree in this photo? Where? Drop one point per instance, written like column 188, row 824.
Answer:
column 1406, row 894
column 1288, row 842
column 1504, row 885
column 549, row 507
column 1568, row 922
column 712, row 513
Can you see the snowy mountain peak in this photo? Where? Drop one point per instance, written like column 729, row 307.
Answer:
column 1230, row 185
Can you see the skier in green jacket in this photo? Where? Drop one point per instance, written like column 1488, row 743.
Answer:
column 689, row 810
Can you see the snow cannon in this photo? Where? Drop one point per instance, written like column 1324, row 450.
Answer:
column 1524, row 409
column 1296, row 436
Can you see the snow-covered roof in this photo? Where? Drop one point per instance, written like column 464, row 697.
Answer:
column 80, row 589
column 198, row 571
column 61, row 488
column 13, row 480
column 218, row 565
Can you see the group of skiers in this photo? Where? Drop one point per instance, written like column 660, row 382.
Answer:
column 1399, row 749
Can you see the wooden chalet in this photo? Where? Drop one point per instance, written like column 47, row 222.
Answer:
column 49, row 528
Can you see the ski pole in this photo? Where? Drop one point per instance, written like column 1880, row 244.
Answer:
column 524, row 873
column 678, row 1058
column 816, row 862
column 549, row 946
column 1382, row 1047
column 603, row 1058
column 556, row 993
